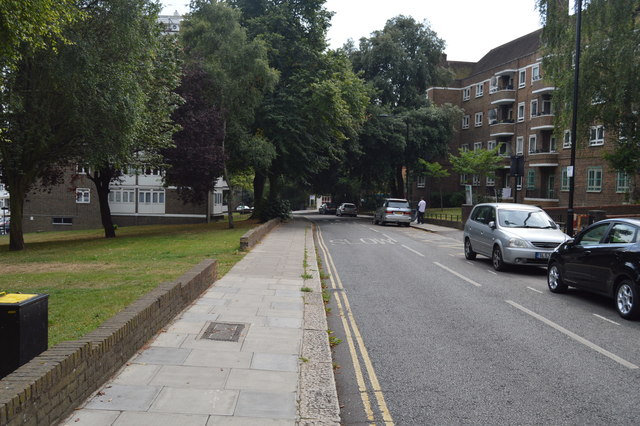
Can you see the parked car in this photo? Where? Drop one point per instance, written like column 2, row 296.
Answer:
column 327, row 208
column 603, row 258
column 510, row 233
column 347, row 209
column 396, row 210
column 244, row 209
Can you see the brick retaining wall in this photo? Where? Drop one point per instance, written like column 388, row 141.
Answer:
column 48, row 388
column 253, row 237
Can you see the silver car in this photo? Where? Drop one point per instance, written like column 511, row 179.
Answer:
column 511, row 233
column 393, row 210
column 347, row 209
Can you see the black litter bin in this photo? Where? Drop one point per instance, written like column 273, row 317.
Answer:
column 23, row 327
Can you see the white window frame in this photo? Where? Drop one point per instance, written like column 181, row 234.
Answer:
column 421, row 181
column 566, row 139
column 533, row 108
column 520, row 145
column 491, row 181
column 564, row 181
column 594, row 179
column 465, row 122
column 81, row 170
column 476, row 180
column 466, row 93
column 553, row 144
column 519, row 182
column 83, row 196
column 531, row 179
column 521, row 111
column 477, row 146
column 465, row 147
column 522, row 78
column 122, row 195
column 535, row 73
column 622, row 182
column 479, row 90
column 463, row 179
column 151, row 196
column 478, row 121
column 533, row 144
column 596, row 135
column 491, row 145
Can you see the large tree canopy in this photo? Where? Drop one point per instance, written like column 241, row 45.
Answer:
column 609, row 86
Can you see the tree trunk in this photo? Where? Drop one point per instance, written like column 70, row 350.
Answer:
column 101, row 179
column 226, row 177
column 259, row 180
column 17, row 193
column 274, row 186
column 398, row 190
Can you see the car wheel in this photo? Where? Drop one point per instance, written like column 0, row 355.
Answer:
column 554, row 279
column 496, row 259
column 469, row 254
column 627, row 300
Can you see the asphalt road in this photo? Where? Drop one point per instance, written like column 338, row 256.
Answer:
column 431, row 338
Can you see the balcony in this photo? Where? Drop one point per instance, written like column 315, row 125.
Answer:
column 541, row 158
column 506, row 95
column 502, row 128
column 542, row 121
column 539, row 87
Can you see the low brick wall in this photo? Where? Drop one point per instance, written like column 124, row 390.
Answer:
column 253, row 237
column 49, row 387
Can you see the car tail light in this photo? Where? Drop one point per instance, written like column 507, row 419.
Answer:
column 407, row 213
column 389, row 211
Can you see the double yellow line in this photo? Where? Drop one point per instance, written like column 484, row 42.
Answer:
column 356, row 344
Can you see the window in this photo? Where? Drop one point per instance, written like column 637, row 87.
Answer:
column 566, row 140
column 151, row 196
column 122, row 195
column 553, row 145
column 621, row 233
column 504, row 149
column 594, row 235
column 522, row 78
column 478, row 119
column 81, row 170
column 519, row 182
column 564, row 185
column 519, row 145
column 493, row 84
column 521, row 111
column 491, row 145
column 463, row 179
column 62, row 221
column 594, row 179
column 477, row 146
column 465, row 122
column 535, row 73
column 534, row 108
column 466, row 93
column 491, row 181
column 547, row 107
column 493, row 116
column 421, row 180
column 479, row 89
column 151, row 171
column 476, row 180
column 596, row 135
column 465, row 147
column 622, row 182
column 83, row 195
column 531, row 179
column 532, row 144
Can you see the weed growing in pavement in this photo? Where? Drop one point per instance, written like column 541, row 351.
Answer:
column 333, row 340
column 303, row 359
column 306, row 289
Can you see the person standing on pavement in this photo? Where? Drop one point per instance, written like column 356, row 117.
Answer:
column 422, row 206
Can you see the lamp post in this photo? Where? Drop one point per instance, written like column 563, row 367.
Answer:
column 574, row 120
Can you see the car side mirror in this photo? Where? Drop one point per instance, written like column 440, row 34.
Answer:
column 492, row 224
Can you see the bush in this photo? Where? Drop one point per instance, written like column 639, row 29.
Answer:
column 276, row 208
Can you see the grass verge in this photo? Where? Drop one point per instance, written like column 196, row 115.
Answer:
column 90, row 278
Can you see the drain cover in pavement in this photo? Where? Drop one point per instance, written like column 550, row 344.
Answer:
column 225, row 332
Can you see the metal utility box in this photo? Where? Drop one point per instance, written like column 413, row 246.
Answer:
column 23, row 329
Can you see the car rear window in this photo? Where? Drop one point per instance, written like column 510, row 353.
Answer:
column 399, row 204
column 349, row 206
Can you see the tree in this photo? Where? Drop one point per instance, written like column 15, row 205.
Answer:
column 400, row 62
column 237, row 69
column 609, row 86
column 318, row 106
column 435, row 171
column 481, row 162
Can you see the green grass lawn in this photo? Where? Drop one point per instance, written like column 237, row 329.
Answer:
column 90, row 278
column 448, row 213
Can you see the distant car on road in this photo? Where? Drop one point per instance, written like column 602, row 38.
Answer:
column 328, row 208
column 510, row 233
column 347, row 209
column 393, row 210
column 603, row 258
column 244, row 209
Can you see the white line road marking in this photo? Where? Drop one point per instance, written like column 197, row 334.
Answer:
column 606, row 319
column 574, row 336
column 458, row 275
column 533, row 289
column 385, row 235
column 470, row 263
column 416, row 252
column 375, row 230
column 492, row 272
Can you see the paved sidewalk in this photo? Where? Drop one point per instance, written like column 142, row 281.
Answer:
column 272, row 366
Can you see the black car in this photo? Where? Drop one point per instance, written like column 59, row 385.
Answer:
column 603, row 258
column 328, row 208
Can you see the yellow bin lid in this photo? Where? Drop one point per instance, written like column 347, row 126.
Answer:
column 15, row 297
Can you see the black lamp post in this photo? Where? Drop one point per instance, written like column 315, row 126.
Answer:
column 574, row 120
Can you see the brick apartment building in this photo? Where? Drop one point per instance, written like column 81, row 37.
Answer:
column 508, row 104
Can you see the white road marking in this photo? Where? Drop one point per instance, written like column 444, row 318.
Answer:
column 606, row 319
column 492, row 272
column 385, row 235
column 574, row 336
column 416, row 252
column 533, row 289
column 375, row 230
column 470, row 281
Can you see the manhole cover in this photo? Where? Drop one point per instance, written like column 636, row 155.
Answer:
column 221, row 331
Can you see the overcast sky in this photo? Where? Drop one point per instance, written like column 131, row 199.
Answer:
column 470, row 28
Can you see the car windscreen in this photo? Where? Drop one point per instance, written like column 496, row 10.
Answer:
column 348, row 206
column 524, row 219
column 399, row 204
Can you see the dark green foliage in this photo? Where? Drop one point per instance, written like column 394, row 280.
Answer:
column 274, row 208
